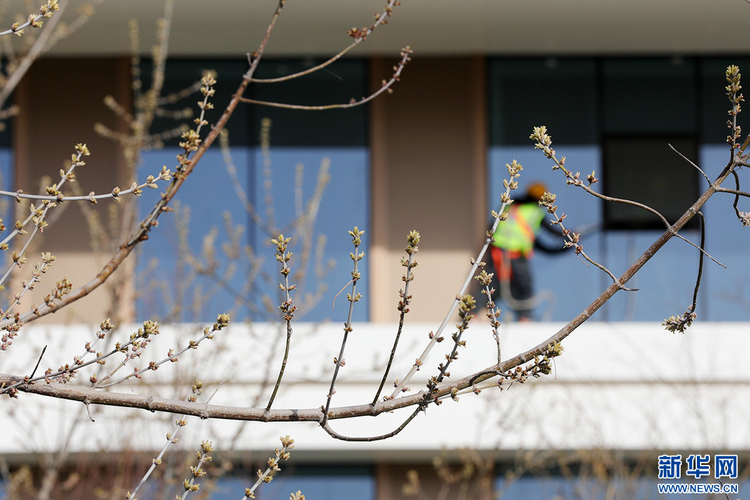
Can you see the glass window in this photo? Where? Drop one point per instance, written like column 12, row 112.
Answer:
column 308, row 152
column 647, row 105
column 649, row 95
column 335, row 84
column 646, row 170
column 558, row 93
column 615, row 116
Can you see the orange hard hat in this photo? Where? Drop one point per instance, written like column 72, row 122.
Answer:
column 536, row 190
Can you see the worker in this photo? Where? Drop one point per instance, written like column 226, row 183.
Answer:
column 513, row 247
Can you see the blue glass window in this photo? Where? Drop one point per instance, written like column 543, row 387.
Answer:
column 280, row 182
column 616, row 116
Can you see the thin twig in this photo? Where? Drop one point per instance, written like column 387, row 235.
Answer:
column 287, row 307
column 467, row 305
column 41, row 355
column 327, row 427
column 733, row 191
column 736, row 194
column 273, row 467
column 305, row 221
column 352, row 297
column 681, row 323
column 135, row 189
column 333, row 303
column 86, row 12
column 171, row 439
column 700, row 262
column 493, row 312
column 237, row 183
column 572, row 239
column 360, row 35
column 708, row 179
column 208, row 333
column 34, row 21
column 36, row 50
column 403, row 305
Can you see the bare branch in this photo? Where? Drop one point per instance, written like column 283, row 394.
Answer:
column 403, row 306
column 691, row 162
column 360, row 35
column 353, row 298
column 287, row 306
column 386, row 87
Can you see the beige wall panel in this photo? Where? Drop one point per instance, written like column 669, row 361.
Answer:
column 428, row 174
column 78, row 268
column 60, row 101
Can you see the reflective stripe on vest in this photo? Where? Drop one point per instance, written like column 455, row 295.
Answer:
column 518, row 232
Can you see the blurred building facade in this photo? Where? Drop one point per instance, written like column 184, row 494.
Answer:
column 615, row 85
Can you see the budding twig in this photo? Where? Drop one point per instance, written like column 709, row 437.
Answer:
column 403, row 305
column 287, row 306
column 352, row 297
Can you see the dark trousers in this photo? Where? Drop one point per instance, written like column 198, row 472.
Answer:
column 513, row 275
